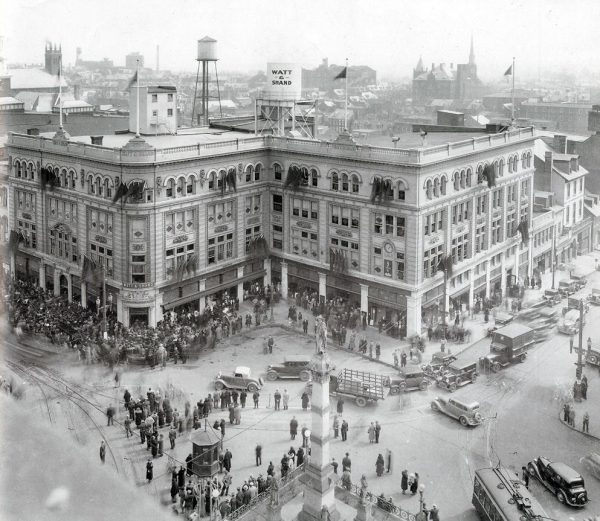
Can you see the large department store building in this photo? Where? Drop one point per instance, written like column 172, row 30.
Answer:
column 183, row 237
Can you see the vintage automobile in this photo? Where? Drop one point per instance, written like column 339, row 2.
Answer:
column 592, row 463
column 579, row 279
column 592, row 357
column 409, row 379
column 564, row 482
column 552, row 297
column 569, row 325
column 295, row 366
column 439, row 361
column 567, row 287
column 465, row 413
column 594, row 298
column 509, row 345
column 240, row 379
column 457, row 374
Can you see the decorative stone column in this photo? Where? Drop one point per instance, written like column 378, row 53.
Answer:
column 322, row 286
column 267, row 277
column 413, row 315
column 503, row 275
column 69, row 287
column 83, row 294
column 42, row 275
column 284, row 280
column 488, row 279
column 471, row 289
column 121, row 315
column 364, row 298
column 240, row 286
column 56, row 282
column 202, row 301
column 319, row 486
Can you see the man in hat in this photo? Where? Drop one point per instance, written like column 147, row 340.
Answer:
column 258, row 452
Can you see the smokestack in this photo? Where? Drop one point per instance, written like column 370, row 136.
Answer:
column 157, row 58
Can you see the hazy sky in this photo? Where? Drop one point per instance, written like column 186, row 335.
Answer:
column 389, row 35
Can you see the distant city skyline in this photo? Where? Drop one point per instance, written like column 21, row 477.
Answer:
column 543, row 35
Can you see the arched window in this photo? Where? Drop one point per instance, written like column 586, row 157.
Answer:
column 463, row 179
column 344, row 182
column 249, row 172
column 220, row 178
column 107, row 190
column 443, row 184
column 469, row 177
column 401, row 191
column 528, row 159
column 436, row 187
column 91, row 185
column 501, row 167
column 335, row 183
column 314, row 178
column 355, row 183
column 170, row 188
column 277, row 171
column 257, row 170
column 72, row 179
column 180, row 186
column 99, row 187
column 305, row 176
column 456, row 180
column 211, row 180
column 429, row 189
column 190, row 185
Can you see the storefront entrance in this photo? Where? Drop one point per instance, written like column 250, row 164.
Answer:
column 138, row 316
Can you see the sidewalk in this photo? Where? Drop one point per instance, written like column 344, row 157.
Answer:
column 580, row 409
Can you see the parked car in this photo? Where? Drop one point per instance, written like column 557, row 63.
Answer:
column 592, row 463
column 552, row 297
column 296, row 366
column 509, row 345
column 457, row 374
column 560, row 479
column 567, row 287
column 465, row 413
column 594, row 298
column 439, row 361
column 408, row 379
column 579, row 279
column 240, row 379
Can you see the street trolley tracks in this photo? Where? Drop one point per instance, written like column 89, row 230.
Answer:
column 17, row 368
column 30, row 374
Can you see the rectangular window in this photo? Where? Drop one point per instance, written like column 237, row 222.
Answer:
column 169, row 112
column 169, row 97
column 277, row 236
column 335, row 215
column 155, row 113
column 154, row 98
column 277, row 203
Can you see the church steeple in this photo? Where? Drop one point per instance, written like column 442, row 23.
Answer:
column 420, row 67
column 472, row 53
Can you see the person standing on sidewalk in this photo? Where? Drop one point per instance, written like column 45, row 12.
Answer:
column 572, row 417
column 258, row 451
column 377, row 431
column 586, row 423
column 566, row 408
column 377, row 350
column 571, row 343
column 336, row 426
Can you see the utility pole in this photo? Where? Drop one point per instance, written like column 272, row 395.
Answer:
column 104, row 333
column 579, row 370
column 553, row 254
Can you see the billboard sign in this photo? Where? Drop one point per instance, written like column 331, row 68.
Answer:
column 284, row 81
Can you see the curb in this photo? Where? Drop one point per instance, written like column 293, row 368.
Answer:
column 594, row 437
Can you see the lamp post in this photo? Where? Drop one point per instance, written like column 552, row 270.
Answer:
column 579, row 370
column 110, row 301
column 421, row 500
column 97, row 306
column 553, row 255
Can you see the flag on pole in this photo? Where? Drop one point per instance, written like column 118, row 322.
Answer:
column 508, row 71
column 133, row 80
column 91, row 271
column 341, row 75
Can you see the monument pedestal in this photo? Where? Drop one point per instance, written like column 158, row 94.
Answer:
column 364, row 511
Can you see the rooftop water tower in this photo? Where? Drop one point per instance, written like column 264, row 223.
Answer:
column 207, row 53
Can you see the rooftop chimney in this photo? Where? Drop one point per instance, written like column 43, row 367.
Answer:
column 560, row 143
column 548, row 163
column 96, row 140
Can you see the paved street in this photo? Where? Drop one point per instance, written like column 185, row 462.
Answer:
column 520, row 405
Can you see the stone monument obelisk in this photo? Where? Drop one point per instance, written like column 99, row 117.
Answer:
column 319, row 491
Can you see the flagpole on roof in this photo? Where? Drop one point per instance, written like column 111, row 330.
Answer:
column 346, row 100
column 137, row 101
column 512, row 119
column 60, row 101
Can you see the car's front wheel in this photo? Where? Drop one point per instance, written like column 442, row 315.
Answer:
column 560, row 495
column 496, row 367
column 435, row 407
column 272, row 376
column 463, row 421
column 305, row 376
column 423, row 386
column 219, row 386
column 252, row 387
column 522, row 358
